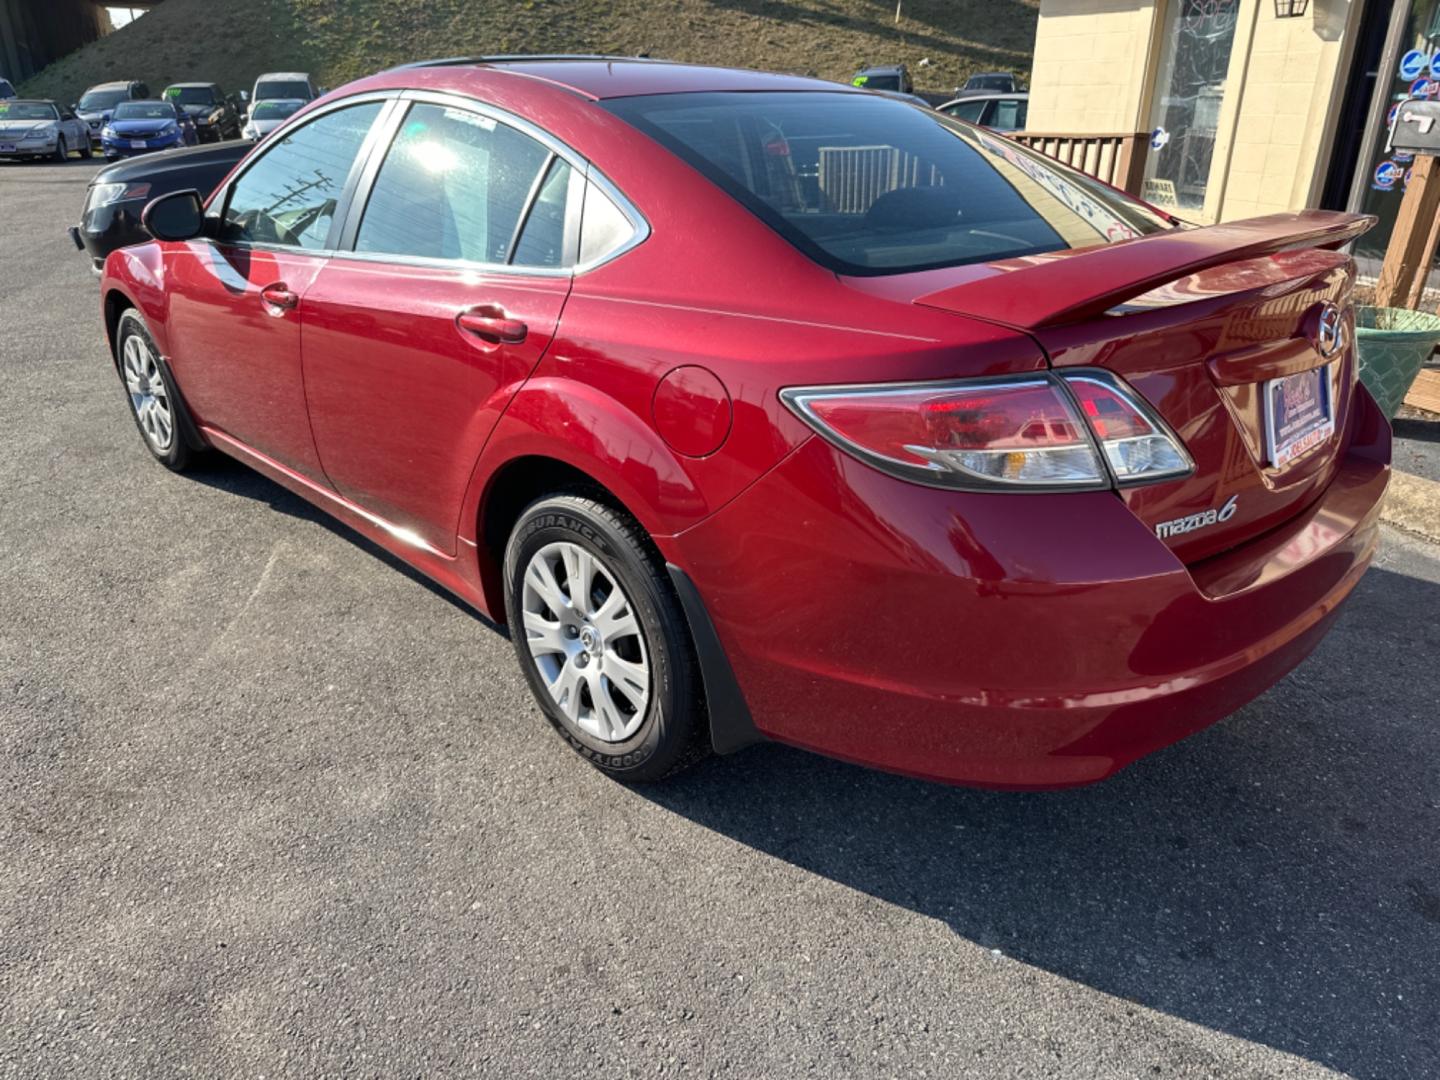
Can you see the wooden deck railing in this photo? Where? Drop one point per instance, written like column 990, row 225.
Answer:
column 1118, row 158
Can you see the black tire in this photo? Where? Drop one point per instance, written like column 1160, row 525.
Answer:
column 62, row 152
column 86, row 150
column 674, row 731
column 175, row 453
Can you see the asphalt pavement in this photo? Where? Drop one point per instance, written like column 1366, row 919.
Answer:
column 271, row 805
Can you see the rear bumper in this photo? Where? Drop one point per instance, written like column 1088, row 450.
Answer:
column 1009, row 640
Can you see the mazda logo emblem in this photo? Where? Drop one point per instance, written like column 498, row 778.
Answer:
column 1331, row 330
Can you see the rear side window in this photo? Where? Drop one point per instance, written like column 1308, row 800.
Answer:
column 289, row 195
column 454, row 185
column 1009, row 114
column 867, row 185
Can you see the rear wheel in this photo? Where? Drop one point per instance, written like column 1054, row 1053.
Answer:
column 602, row 639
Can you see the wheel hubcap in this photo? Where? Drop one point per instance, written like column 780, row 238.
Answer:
column 585, row 639
column 148, row 396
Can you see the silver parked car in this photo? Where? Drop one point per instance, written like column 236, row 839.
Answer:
column 39, row 129
column 1000, row 112
column 267, row 115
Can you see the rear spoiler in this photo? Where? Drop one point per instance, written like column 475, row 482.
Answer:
column 1036, row 291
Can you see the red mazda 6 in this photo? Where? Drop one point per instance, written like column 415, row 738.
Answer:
column 762, row 408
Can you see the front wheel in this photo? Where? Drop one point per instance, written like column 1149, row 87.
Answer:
column 602, row 638
column 86, row 150
column 154, row 402
column 62, row 152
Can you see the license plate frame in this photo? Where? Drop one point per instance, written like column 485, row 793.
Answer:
column 7, row 148
column 1299, row 415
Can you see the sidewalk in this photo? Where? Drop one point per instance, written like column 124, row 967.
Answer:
column 1413, row 502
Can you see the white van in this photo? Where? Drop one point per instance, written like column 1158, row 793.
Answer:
column 284, row 85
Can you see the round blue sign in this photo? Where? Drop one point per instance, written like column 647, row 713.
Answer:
column 1413, row 63
column 1435, row 66
column 1426, row 88
column 1390, row 116
column 1387, row 175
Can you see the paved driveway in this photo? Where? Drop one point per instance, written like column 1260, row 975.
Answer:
column 271, row 805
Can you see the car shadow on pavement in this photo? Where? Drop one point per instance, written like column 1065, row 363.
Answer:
column 227, row 474
column 1276, row 878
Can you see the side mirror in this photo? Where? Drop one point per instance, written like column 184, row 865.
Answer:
column 177, row 216
column 244, row 95
column 68, row 114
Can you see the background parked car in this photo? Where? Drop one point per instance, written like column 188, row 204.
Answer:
column 282, row 86
column 110, row 217
column 894, row 77
column 97, row 103
column 37, row 129
column 266, row 116
column 1001, row 112
column 988, row 82
column 6, row 90
column 138, row 127
column 214, row 114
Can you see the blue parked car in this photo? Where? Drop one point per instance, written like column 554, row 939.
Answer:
column 138, row 127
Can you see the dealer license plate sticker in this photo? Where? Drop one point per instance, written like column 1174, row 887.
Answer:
column 1299, row 415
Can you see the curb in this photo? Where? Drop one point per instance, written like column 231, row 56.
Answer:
column 1413, row 504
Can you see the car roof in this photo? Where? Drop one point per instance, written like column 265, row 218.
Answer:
column 601, row 77
column 29, row 101
column 988, row 95
column 123, row 84
column 281, row 101
column 173, row 85
column 888, row 69
column 278, row 75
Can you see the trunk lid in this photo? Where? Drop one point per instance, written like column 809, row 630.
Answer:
column 1198, row 321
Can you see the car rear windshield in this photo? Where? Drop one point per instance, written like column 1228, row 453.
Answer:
column 191, row 95
column 27, row 110
column 866, row 185
column 275, row 110
column 285, row 89
column 144, row 110
column 102, row 99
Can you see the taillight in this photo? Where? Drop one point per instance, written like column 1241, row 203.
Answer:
column 1080, row 430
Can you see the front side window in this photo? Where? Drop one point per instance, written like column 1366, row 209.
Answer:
column 454, row 185
column 969, row 111
column 867, row 185
column 289, row 195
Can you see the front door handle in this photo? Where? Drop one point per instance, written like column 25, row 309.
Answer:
column 278, row 296
column 490, row 324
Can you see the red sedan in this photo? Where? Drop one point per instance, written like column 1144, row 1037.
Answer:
column 763, row 408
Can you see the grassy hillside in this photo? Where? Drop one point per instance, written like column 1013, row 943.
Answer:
column 339, row 40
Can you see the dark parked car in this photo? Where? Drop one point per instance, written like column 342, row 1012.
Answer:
column 214, row 114
column 894, row 77
column 110, row 218
column 98, row 103
column 988, row 82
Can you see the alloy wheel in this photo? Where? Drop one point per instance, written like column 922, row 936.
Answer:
column 584, row 636
column 148, row 395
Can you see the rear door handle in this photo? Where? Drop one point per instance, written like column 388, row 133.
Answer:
column 490, row 324
column 278, row 296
